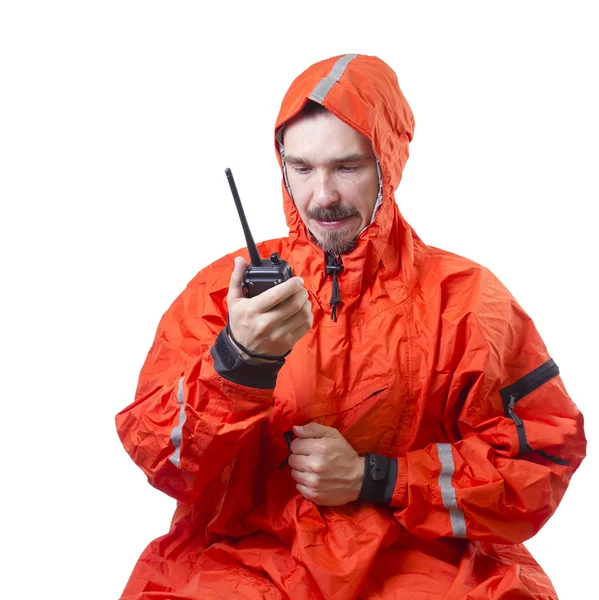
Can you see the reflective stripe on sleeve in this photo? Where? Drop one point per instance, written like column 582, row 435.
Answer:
column 458, row 522
column 177, row 432
column 324, row 86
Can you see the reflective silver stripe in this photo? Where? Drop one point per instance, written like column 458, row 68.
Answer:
column 458, row 523
column 177, row 432
column 379, row 198
column 324, row 87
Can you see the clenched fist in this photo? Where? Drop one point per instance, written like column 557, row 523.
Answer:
column 327, row 469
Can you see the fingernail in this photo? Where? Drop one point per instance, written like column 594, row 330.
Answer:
column 300, row 281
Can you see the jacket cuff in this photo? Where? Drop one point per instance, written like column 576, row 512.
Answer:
column 229, row 365
column 399, row 497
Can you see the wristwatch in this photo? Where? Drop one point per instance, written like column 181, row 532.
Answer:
column 378, row 481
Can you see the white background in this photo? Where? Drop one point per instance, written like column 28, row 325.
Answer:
column 117, row 121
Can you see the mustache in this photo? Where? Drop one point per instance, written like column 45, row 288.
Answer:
column 335, row 213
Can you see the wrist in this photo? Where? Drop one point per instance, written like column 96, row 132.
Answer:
column 358, row 477
column 247, row 357
column 229, row 364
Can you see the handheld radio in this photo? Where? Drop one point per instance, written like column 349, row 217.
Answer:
column 262, row 273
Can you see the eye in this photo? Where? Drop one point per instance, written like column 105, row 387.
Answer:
column 346, row 169
column 301, row 170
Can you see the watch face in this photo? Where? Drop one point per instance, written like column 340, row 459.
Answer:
column 377, row 466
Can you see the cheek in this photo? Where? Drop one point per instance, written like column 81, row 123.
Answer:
column 362, row 195
column 301, row 197
column 301, row 203
column 368, row 191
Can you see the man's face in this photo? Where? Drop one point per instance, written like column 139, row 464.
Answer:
column 333, row 178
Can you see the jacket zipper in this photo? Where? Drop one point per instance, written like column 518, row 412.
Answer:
column 529, row 383
column 515, row 392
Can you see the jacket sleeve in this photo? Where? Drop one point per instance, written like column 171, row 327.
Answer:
column 513, row 436
column 197, row 401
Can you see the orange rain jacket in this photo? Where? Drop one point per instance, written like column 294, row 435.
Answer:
column 431, row 361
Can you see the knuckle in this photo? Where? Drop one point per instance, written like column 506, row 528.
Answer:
column 321, row 449
column 317, row 469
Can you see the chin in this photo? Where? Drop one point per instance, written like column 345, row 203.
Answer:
column 335, row 242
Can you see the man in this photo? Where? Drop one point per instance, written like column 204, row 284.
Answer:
column 416, row 433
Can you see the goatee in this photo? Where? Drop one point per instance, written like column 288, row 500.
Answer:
column 335, row 241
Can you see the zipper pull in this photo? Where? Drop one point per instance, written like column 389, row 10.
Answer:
column 513, row 398
column 288, row 439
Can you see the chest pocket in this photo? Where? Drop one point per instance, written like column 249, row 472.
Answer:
column 367, row 417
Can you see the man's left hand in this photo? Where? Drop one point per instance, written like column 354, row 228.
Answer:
column 327, row 469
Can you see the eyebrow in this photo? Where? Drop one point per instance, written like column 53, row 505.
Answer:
column 298, row 160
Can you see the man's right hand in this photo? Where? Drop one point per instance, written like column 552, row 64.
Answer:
column 272, row 322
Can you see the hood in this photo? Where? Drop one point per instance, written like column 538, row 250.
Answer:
column 344, row 86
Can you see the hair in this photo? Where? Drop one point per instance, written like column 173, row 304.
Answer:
column 312, row 109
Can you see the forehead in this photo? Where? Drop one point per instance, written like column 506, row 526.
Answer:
column 323, row 138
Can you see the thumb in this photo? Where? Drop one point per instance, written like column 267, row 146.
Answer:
column 314, row 430
column 235, row 292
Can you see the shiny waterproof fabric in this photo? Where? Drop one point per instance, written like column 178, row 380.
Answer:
column 431, row 360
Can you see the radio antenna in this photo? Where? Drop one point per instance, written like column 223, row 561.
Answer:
column 254, row 256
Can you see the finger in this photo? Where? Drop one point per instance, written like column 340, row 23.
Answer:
column 301, row 331
column 275, row 295
column 302, row 447
column 302, row 317
column 299, row 462
column 306, row 492
column 301, row 477
column 314, row 430
column 291, row 306
column 306, row 479
column 235, row 292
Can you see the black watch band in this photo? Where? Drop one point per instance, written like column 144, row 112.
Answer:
column 378, row 481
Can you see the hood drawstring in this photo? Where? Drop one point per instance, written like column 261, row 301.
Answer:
column 334, row 267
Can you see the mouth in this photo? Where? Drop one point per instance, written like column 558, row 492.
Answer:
column 333, row 224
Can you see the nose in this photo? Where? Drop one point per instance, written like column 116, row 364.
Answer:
column 325, row 191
